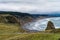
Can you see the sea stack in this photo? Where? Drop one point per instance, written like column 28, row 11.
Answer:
column 50, row 26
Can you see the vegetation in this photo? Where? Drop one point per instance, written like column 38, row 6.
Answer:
column 13, row 31
column 31, row 36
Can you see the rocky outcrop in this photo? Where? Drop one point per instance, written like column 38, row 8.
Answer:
column 21, row 20
column 50, row 26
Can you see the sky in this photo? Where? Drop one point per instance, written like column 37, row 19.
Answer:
column 30, row 6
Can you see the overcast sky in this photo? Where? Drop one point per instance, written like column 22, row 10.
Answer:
column 30, row 5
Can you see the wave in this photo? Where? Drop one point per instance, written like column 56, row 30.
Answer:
column 41, row 24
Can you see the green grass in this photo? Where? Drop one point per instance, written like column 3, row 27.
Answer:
column 35, row 36
column 10, row 28
column 4, row 28
column 13, row 32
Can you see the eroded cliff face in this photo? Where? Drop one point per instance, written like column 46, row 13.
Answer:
column 18, row 18
column 4, row 18
column 12, row 19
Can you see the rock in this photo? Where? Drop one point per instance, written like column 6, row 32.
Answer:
column 50, row 26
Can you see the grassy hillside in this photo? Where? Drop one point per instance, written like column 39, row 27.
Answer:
column 9, row 23
column 13, row 31
column 4, row 28
column 32, row 36
column 9, row 30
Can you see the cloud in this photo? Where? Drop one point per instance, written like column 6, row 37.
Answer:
column 30, row 6
column 17, row 7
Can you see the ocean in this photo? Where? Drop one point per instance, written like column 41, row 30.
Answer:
column 40, row 25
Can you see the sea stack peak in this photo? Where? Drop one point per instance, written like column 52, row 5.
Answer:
column 50, row 26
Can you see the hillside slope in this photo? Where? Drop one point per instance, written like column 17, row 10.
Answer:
column 9, row 23
column 31, row 36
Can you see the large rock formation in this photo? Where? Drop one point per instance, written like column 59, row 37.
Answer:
column 50, row 26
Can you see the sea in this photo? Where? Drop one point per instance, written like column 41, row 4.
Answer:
column 41, row 24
